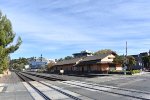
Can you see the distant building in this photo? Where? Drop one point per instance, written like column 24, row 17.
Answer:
column 37, row 63
column 138, row 58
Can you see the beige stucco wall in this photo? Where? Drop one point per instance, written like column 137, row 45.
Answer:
column 100, row 67
column 119, row 67
column 65, row 67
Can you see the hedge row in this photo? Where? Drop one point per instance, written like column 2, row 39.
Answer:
column 122, row 72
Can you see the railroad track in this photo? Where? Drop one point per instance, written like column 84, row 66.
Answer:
column 143, row 95
column 26, row 79
column 109, row 89
column 59, row 90
column 52, row 78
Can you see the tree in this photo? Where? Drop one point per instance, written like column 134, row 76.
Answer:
column 50, row 65
column 65, row 58
column 104, row 51
column 146, row 61
column 130, row 62
column 19, row 64
column 60, row 59
column 68, row 58
column 6, row 39
column 119, row 60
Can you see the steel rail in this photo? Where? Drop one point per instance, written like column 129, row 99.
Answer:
column 106, row 91
column 60, row 91
column 110, row 87
column 38, row 91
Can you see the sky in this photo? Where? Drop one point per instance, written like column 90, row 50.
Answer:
column 59, row 28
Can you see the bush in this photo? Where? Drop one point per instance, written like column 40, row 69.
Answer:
column 135, row 71
column 1, row 72
column 122, row 72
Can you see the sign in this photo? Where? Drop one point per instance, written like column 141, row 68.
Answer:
column 26, row 66
column 61, row 71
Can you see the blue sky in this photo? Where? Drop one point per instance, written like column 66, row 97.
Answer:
column 57, row 28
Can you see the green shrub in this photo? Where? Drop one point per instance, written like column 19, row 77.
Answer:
column 1, row 72
column 116, row 71
column 135, row 71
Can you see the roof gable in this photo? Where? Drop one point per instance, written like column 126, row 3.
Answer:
column 96, row 57
column 67, row 62
column 93, row 59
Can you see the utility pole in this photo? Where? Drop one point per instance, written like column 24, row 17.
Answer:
column 125, row 63
column 126, row 53
column 126, row 49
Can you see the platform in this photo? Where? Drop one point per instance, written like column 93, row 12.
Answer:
column 11, row 88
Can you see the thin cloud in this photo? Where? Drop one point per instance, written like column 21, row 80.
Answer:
column 51, row 26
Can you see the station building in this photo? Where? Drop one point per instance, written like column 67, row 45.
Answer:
column 85, row 62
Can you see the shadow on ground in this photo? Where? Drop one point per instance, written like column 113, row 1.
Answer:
column 89, row 75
